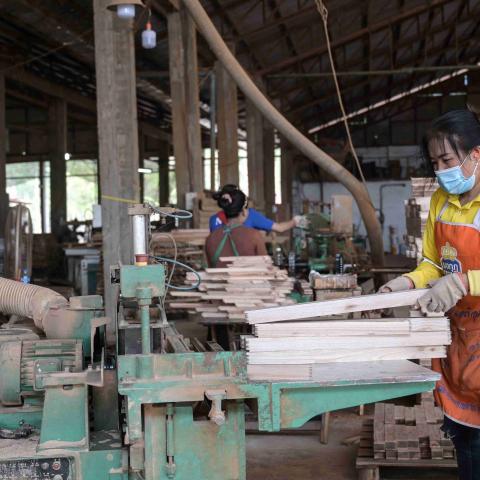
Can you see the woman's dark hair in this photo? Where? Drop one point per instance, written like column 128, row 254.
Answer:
column 231, row 200
column 460, row 128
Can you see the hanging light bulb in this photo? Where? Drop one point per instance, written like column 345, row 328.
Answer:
column 126, row 9
column 149, row 37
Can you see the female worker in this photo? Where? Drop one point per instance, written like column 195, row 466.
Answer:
column 451, row 265
column 253, row 218
column 234, row 237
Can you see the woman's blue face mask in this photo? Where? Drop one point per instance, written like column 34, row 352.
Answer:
column 453, row 181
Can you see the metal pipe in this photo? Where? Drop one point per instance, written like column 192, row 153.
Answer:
column 145, row 320
column 294, row 136
column 139, row 235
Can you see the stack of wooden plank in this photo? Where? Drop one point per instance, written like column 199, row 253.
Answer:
column 203, row 208
column 409, row 433
column 225, row 294
column 416, row 212
column 278, row 342
column 330, row 286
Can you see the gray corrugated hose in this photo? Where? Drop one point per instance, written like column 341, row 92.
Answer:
column 26, row 300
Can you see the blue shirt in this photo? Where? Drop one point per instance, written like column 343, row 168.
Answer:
column 254, row 220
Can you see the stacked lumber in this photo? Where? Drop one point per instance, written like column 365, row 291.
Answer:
column 330, row 286
column 278, row 343
column 225, row 294
column 416, row 213
column 203, row 208
column 410, row 433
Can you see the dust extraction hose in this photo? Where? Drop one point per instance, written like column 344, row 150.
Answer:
column 26, row 300
column 294, row 136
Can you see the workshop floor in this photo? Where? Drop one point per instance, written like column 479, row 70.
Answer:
column 303, row 457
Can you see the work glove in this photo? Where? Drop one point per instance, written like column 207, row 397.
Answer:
column 444, row 294
column 301, row 221
column 396, row 285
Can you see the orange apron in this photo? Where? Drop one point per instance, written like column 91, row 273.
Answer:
column 458, row 391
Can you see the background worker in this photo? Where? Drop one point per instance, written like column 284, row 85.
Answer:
column 233, row 237
column 451, row 265
column 252, row 218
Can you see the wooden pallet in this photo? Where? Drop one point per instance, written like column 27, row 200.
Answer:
column 368, row 467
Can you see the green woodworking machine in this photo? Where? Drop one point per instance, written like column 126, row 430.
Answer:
column 150, row 408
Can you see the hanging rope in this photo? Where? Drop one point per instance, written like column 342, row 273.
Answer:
column 322, row 9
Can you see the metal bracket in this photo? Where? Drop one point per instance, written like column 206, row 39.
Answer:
column 216, row 414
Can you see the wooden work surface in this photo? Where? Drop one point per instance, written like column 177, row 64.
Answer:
column 364, row 373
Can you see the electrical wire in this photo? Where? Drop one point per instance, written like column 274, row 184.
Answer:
column 185, row 214
column 183, row 265
column 322, row 9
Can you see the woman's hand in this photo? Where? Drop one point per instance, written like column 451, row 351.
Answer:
column 444, row 294
column 396, row 285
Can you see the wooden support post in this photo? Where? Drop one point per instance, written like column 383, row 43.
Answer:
column 58, row 130
column 255, row 152
column 185, row 104
column 269, row 167
column 118, row 138
column 286, row 173
column 192, row 106
column 163, row 173
column 227, row 123
column 3, row 158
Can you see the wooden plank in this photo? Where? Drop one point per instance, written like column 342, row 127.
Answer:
column 409, row 416
column 345, row 355
column 419, row 414
column 335, row 307
column 399, row 414
column 357, row 342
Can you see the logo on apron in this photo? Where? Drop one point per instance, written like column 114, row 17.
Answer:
column 449, row 261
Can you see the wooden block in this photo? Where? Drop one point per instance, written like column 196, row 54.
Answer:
column 419, row 414
column 379, row 427
column 439, row 414
column 430, row 415
column 409, row 416
column 403, row 453
column 389, row 414
column 391, row 454
column 390, row 441
column 423, row 433
column 401, row 436
column 399, row 414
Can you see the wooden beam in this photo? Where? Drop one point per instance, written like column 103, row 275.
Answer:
column 185, row 104
column 58, row 133
column 194, row 139
column 118, row 139
column 3, row 158
column 227, row 123
column 256, row 176
column 286, row 173
column 164, row 183
column 340, row 306
column 269, row 167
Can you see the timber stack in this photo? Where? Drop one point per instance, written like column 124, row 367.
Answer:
column 410, row 433
column 416, row 212
column 225, row 294
column 282, row 346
